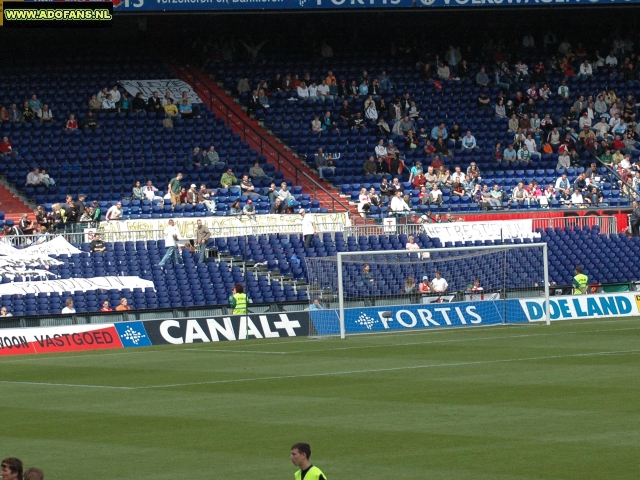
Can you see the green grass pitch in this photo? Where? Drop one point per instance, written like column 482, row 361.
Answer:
column 507, row 402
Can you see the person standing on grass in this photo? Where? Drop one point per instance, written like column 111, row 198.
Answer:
column 580, row 282
column 12, row 469
column 300, row 454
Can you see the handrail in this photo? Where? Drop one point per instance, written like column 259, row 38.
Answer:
column 301, row 177
column 614, row 173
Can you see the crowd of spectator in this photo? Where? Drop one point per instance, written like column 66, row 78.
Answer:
column 526, row 80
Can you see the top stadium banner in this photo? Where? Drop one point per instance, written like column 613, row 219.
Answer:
column 133, row 6
column 517, row 3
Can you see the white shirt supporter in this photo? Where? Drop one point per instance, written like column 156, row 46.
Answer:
column 169, row 232
column 439, row 285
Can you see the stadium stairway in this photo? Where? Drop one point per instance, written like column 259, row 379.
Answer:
column 225, row 107
column 12, row 204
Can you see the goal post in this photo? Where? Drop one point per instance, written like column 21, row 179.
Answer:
column 363, row 288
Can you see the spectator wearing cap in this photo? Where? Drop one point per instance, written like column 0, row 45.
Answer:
column 424, row 286
column 249, row 208
column 192, row 195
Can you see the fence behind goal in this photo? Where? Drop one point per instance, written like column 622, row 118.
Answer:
column 364, row 291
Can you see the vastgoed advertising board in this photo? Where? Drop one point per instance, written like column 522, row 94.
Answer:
column 73, row 338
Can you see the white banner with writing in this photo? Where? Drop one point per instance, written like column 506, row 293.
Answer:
column 147, row 87
column 26, row 263
column 470, row 231
column 75, row 284
column 57, row 246
column 151, row 229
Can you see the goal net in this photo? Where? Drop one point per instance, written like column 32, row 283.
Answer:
column 486, row 276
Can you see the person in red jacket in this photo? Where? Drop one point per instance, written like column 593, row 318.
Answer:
column 72, row 123
column 6, row 147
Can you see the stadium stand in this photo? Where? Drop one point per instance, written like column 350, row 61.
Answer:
column 451, row 101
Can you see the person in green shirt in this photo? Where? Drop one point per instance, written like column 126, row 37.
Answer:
column 606, row 157
column 300, row 454
column 580, row 282
column 96, row 216
column 229, row 180
column 174, row 189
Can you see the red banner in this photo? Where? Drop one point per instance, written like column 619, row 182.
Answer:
column 71, row 338
column 620, row 215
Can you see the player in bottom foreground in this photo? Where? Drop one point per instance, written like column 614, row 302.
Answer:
column 300, row 454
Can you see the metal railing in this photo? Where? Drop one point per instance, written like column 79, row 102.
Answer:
column 608, row 225
column 187, row 233
column 253, row 135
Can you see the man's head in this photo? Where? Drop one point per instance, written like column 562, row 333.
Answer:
column 438, row 274
column 179, row 176
column 171, row 222
column 300, row 455
column 193, row 187
column 12, row 469
column 302, row 212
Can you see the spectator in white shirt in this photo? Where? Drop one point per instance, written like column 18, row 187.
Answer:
column 68, row 308
column 364, row 203
column 115, row 212
column 457, row 176
column 115, row 95
column 602, row 128
column 439, row 284
column 576, row 198
column 171, row 234
column 45, row 115
column 412, row 245
column 303, row 91
column 34, row 178
column 585, row 69
column 611, row 61
column 532, row 146
column 585, row 120
column 398, row 205
column 150, row 192
column 108, row 103
column 323, row 92
column 381, row 150
column 563, row 182
column 313, row 92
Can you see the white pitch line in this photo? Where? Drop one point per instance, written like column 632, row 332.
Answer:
column 434, row 342
column 325, row 374
column 390, row 369
column 49, row 384
column 224, row 350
